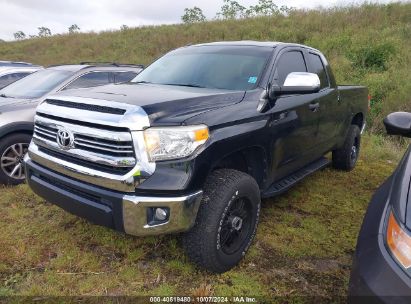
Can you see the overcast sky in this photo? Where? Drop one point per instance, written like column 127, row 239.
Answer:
column 98, row 15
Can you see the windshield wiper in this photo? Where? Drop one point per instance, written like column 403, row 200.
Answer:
column 190, row 85
column 142, row 81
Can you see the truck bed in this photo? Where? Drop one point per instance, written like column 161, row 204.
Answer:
column 355, row 96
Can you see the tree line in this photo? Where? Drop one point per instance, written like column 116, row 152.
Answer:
column 44, row 32
column 230, row 9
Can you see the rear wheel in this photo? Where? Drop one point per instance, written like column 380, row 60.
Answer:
column 13, row 148
column 346, row 157
column 226, row 222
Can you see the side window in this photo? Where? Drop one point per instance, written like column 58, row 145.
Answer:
column 123, row 76
column 317, row 67
column 5, row 80
column 289, row 62
column 88, row 80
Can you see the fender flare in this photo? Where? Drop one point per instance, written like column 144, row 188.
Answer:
column 24, row 127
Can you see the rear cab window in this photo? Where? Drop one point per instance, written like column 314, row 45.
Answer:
column 317, row 67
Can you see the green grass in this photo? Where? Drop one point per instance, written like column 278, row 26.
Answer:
column 367, row 45
column 304, row 243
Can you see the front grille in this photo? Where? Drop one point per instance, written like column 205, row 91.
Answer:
column 110, row 151
column 84, row 106
column 85, row 163
column 89, row 143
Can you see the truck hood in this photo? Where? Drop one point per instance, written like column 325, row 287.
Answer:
column 164, row 104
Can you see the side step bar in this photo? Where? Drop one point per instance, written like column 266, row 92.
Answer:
column 287, row 182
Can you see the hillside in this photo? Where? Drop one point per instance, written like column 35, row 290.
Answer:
column 367, row 45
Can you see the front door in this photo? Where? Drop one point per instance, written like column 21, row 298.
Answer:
column 294, row 121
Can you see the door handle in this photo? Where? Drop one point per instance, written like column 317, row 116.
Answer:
column 314, row 106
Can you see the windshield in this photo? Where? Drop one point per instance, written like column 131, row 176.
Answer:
column 36, row 84
column 215, row 67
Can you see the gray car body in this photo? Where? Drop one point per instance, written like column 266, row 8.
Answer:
column 17, row 115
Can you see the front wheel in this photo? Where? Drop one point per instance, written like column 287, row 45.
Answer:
column 12, row 151
column 346, row 157
column 226, row 221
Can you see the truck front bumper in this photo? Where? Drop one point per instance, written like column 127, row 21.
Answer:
column 126, row 212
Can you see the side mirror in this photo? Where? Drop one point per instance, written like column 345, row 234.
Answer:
column 398, row 123
column 297, row 83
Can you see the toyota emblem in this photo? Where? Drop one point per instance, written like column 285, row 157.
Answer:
column 65, row 139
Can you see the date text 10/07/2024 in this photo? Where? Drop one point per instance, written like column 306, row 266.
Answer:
column 210, row 299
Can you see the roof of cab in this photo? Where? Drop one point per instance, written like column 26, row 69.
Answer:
column 67, row 67
column 271, row 44
column 241, row 43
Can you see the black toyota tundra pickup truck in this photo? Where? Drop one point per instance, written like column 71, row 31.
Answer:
column 195, row 141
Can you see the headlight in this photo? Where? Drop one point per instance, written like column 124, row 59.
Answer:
column 164, row 143
column 399, row 242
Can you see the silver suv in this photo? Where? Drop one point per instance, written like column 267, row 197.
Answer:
column 11, row 71
column 19, row 100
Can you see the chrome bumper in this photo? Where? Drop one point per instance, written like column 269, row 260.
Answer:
column 126, row 212
column 183, row 212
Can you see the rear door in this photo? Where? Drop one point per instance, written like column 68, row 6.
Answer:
column 332, row 112
column 294, row 118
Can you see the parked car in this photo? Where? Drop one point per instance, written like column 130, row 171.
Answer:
column 11, row 71
column 19, row 100
column 382, row 262
column 20, row 64
column 195, row 141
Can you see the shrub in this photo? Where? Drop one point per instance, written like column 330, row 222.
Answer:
column 372, row 57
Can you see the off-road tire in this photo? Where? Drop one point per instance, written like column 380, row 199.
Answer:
column 223, row 191
column 346, row 157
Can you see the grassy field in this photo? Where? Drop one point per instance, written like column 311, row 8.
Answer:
column 368, row 45
column 303, row 247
